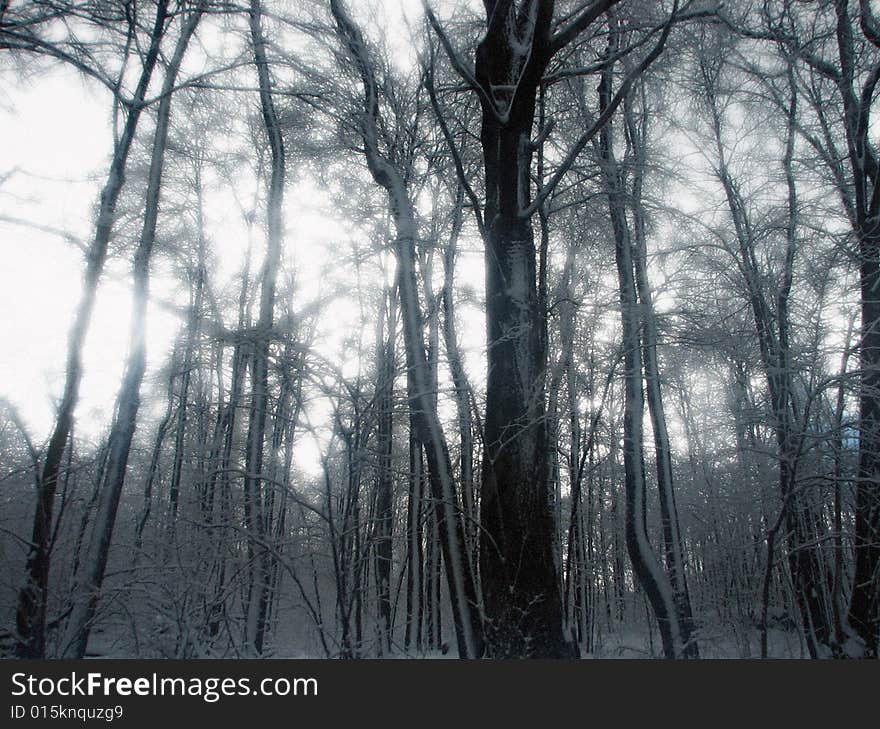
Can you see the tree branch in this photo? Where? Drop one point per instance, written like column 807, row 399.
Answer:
column 450, row 142
column 459, row 65
column 603, row 119
column 577, row 25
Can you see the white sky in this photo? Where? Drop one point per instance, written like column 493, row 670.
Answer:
column 57, row 144
column 56, row 136
column 57, row 156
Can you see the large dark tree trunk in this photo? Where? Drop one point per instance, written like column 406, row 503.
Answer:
column 862, row 201
column 518, row 567
column 864, row 609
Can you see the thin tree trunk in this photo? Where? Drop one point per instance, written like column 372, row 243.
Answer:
column 675, row 565
column 258, row 557
column 384, row 522
column 838, row 606
column 193, row 330
column 414, row 561
column 646, row 567
column 461, row 384
column 462, row 591
column 153, row 472
column 31, row 612
column 88, row 586
column 645, row 564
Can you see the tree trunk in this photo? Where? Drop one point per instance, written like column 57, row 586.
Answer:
column 384, row 521
column 462, row 591
column 414, row 573
column 518, row 568
column 155, row 458
column 864, row 608
column 258, row 556
column 675, row 566
column 88, row 586
column 31, row 612
column 193, row 329
column 646, row 567
column 462, row 389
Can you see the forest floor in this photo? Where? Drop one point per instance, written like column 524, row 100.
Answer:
column 715, row 642
column 623, row 642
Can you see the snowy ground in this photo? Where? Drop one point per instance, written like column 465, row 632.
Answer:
column 630, row 643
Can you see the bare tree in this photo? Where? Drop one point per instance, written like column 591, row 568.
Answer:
column 518, row 567
column 31, row 616
column 466, row 616
column 87, row 589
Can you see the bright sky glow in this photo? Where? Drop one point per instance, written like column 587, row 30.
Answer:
column 57, row 143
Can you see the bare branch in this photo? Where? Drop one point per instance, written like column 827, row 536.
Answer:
column 868, row 22
column 603, row 118
column 459, row 65
column 580, row 23
column 60, row 232
column 450, row 142
column 15, row 419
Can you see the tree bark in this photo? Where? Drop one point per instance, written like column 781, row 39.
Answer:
column 675, row 564
column 520, row 584
column 384, row 521
column 31, row 612
column 258, row 556
column 462, row 387
column 88, row 586
column 462, row 591
column 646, row 567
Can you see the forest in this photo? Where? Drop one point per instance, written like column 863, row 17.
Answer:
column 500, row 329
